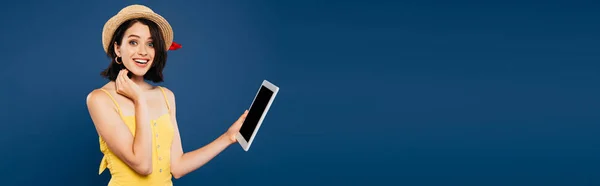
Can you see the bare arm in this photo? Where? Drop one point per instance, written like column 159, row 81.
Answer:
column 136, row 151
column 184, row 163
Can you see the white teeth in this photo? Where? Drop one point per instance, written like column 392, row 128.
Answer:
column 141, row 61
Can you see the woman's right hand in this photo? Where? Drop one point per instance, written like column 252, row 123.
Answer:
column 126, row 87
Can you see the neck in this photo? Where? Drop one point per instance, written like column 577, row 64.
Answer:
column 139, row 80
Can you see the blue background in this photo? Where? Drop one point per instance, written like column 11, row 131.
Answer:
column 372, row 92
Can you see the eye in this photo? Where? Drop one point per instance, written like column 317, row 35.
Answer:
column 151, row 44
column 133, row 42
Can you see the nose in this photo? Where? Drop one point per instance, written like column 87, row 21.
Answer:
column 142, row 51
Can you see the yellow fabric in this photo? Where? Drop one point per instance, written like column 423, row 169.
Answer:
column 162, row 135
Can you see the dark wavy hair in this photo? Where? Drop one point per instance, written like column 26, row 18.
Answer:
column 155, row 73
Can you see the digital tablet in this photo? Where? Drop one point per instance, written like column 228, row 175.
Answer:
column 256, row 114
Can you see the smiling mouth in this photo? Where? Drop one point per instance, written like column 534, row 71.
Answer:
column 141, row 61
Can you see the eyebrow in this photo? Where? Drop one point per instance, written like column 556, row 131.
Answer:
column 133, row 35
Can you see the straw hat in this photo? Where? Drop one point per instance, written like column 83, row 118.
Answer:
column 136, row 11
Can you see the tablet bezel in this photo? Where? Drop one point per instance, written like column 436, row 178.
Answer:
column 241, row 140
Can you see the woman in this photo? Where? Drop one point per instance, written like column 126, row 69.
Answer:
column 136, row 121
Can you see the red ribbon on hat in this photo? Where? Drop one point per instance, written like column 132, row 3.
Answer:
column 174, row 46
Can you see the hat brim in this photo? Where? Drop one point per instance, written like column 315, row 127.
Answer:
column 114, row 22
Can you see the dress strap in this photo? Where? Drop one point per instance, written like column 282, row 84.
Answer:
column 114, row 101
column 166, row 100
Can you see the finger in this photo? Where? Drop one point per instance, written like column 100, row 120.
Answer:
column 118, row 79
column 125, row 71
column 243, row 117
column 120, row 75
column 125, row 74
column 119, row 84
column 121, row 78
column 120, row 72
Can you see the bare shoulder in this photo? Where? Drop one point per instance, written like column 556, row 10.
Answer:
column 170, row 95
column 100, row 108
column 97, row 98
column 100, row 102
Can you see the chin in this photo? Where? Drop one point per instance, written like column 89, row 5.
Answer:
column 138, row 70
column 139, row 73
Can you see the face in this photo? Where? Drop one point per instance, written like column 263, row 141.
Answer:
column 136, row 49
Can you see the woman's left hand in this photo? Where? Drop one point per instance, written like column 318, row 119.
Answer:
column 235, row 128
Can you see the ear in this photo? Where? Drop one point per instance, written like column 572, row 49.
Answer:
column 117, row 49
